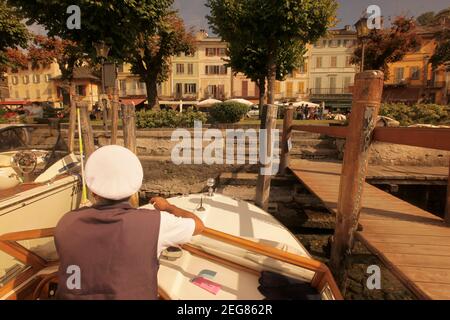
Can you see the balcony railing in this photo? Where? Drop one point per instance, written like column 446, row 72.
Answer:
column 330, row 91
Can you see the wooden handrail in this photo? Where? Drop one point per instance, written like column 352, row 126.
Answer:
column 433, row 138
column 28, row 235
column 334, row 131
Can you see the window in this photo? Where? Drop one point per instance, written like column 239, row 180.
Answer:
column 25, row 79
column 399, row 74
column 319, row 62
column 301, row 87
column 141, row 85
column 277, row 87
column 304, row 68
column 190, row 68
column 332, row 85
column 36, row 78
column 347, row 83
column 415, row 73
column 14, row 80
column 333, row 62
column 216, row 91
column 179, row 89
column 324, row 43
column 333, row 43
column 210, row 52
column 318, row 84
column 190, row 88
column 190, row 54
column 48, row 77
column 215, row 70
column 289, row 89
column 120, row 67
column 180, row 68
column 80, row 90
column 222, row 52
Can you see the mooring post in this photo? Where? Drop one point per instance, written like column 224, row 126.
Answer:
column 266, row 157
column 286, row 142
column 366, row 104
column 129, row 136
column 72, row 119
column 114, row 114
column 87, row 133
column 447, row 207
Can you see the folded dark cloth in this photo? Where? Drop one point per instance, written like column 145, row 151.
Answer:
column 274, row 286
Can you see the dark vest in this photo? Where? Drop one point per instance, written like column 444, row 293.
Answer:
column 115, row 248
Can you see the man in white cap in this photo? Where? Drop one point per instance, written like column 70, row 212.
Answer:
column 111, row 250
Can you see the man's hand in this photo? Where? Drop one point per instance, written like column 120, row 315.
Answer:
column 161, row 204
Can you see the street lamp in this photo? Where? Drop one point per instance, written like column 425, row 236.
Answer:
column 102, row 50
column 362, row 31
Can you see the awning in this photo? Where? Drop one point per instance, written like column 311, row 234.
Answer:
column 401, row 94
column 136, row 101
column 14, row 103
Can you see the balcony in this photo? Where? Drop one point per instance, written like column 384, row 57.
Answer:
column 330, row 91
column 436, row 84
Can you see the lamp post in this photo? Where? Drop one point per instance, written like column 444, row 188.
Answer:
column 102, row 50
column 362, row 31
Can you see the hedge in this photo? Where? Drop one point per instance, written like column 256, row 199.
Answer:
column 168, row 119
column 228, row 112
column 417, row 114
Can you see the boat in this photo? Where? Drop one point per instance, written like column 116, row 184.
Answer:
column 239, row 243
column 37, row 173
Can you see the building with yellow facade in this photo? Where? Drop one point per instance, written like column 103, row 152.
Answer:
column 413, row 79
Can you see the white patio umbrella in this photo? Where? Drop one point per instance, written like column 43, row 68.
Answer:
column 208, row 102
column 243, row 101
column 305, row 103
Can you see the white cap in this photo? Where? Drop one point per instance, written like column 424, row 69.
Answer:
column 114, row 172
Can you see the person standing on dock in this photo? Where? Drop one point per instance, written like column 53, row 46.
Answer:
column 111, row 250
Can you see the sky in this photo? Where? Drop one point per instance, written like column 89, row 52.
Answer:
column 194, row 11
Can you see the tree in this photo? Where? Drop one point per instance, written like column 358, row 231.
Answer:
column 151, row 57
column 388, row 46
column 116, row 22
column 441, row 56
column 253, row 63
column 13, row 33
column 426, row 18
column 264, row 29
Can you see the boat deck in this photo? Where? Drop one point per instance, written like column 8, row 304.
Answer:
column 413, row 243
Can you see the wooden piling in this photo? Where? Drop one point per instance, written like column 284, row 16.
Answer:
column 286, row 142
column 263, row 182
column 72, row 119
column 366, row 104
column 129, row 136
column 114, row 114
column 447, row 207
column 87, row 133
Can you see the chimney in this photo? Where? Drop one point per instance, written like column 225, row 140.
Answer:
column 202, row 34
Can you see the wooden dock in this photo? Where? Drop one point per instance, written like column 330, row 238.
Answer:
column 412, row 243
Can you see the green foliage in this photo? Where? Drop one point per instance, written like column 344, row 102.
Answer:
column 228, row 112
column 386, row 46
column 168, row 119
column 13, row 32
column 416, row 114
column 441, row 55
column 426, row 18
column 267, row 39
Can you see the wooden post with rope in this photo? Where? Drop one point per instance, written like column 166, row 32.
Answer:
column 266, row 157
column 114, row 112
column 366, row 104
column 286, row 139
column 72, row 119
column 129, row 136
column 447, row 207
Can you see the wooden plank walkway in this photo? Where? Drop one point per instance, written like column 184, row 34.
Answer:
column 414, row 244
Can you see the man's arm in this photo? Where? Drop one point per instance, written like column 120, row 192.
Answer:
column 162, row 204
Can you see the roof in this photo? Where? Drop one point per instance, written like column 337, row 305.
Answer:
column 82, row 73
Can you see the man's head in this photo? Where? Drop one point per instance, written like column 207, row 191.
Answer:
column 113, row 173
